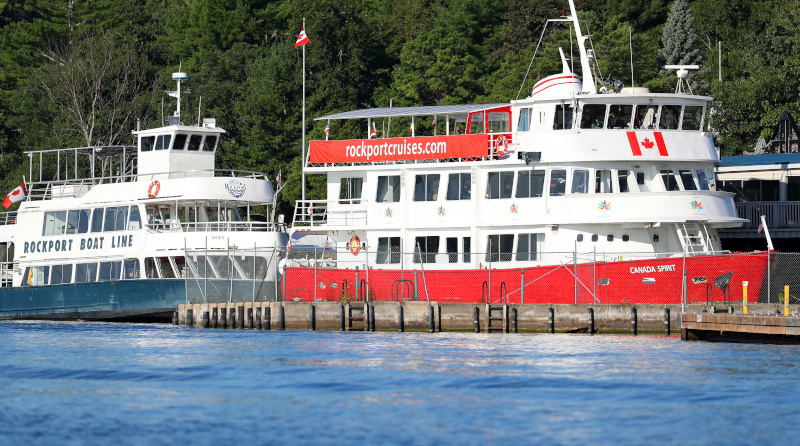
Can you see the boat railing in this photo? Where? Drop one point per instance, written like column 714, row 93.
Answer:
column 8, row 218
column 779, row 214
column 330, row 212
column 218, row 226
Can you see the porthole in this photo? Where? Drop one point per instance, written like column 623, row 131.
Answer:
column 610, row 237
column 594, row 237
column 625, row 237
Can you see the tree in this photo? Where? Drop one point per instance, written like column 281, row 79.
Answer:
column 679, row 44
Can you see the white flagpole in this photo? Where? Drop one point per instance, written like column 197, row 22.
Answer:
column 303, row 149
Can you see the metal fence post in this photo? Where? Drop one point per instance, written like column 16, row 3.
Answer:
column 522, row 287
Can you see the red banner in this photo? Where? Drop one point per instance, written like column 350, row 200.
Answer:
column 398, row 149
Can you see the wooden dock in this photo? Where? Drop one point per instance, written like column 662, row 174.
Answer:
column 740, row 328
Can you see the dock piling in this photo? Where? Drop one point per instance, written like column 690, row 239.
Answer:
column 634, row 321
column 240, row 317
column 214, row 317
column 666, row 321
column 231, row 318
column 514, row 319
column 281, row 319
column 400, row 324
column 223, row 318
column 206, row 319
column 551, row 320
column 591, row 321
column 312, row 317
column 250, row 324
column 477, row 319
column 259, row 325
column 371, row 317
column 267, row 319
column 341, row 317
column 431, row 321
column 174, row 318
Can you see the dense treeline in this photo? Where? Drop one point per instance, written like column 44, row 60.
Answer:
column 77, row 73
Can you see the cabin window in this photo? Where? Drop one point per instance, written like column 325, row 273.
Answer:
column 499, row 185
column 388, row 250
column 645, row 117
column 524, row 123
column 130, row 269
column 530, row 183
column 425, row 249
column 622, row 179
column 157, row 216
column 499, row 247
column 97, row 220
column 499, row 122
column 166, row 268
column 476, row 123
column 78, row 221
column 558, row 182
column 619, row 116
column 162, row 142
column 426, row 187
column 85, row 272
column 701, row 178
column 527, row 246
column 115, row 218
column 669, row 180
column 459, row 186
column 388, row 189
column 641, row 183
column 37, row 275
column 563, row 117
column 610, row 237
column 593, row 116
column 180, row 141
column 150, row 270
column 54, row 223
column 451, row 243
column 109, row 271
column 194, row 142
column 670, row 117
column 602, row 181
column 147, row 143
column 60, row 274
column 594, row 237
column 692, row 117
column 580, row 180
column 210, row 143
column 466, row 243
column 687, row 180
column 350, row 189
column 626, row 237
column 135, row 222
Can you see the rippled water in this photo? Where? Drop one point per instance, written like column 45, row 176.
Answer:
column 96, row 383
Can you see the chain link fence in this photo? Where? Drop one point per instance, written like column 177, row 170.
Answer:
column 232, row 275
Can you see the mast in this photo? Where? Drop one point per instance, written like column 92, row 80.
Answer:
column 588, row 79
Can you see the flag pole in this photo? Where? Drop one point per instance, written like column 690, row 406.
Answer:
column 303, row 149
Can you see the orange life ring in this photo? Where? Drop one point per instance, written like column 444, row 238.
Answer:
column 154, row 188
column 355, row 245
column 502, row 146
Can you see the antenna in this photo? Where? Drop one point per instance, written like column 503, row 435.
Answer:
column 630, row 43
column 683, row 71
column 198, row 110
column 588, row 78
column 178, row 77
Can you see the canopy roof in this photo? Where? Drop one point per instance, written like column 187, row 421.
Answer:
column 397, row 112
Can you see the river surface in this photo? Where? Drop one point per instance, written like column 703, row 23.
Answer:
column 118, row 384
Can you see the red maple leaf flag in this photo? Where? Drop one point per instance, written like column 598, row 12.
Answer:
column 302, row 39
column 18, row 194
column 648, row 144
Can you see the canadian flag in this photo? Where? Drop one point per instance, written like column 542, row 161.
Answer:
column 643, row 141
column 327, row 129
column 433, row 124
column 16, row 195
column 302, row 39
column 373, row 133
column 458, row 130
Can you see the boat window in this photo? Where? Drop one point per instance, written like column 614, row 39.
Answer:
column 563, row 117
column 350, row 189
column 180, row 141
column 610, row 237
column 594, row 237
column 602, row 181
column 194, row 142
column 60, row 274
column 593, row 116
column 669, row 180
column 692, row 117
column 467, row 242
column 37, row 275
column 425, row 249
column 645, row 117
column 558, row 182
column 130, row 269
column 388, row 250
column 524, row 123
column 150, row 270
column 146, row 143
column 162, row 142
column 135, row 222
column 701, row 178
column 476, row 123
column 640, row 182
column 626, row 237
column 166, row 268
column 499, row 122
column 78, row 221
column 451, row 244
column 527, row 246
column 388, row 189
column 499, row 185
column 115, row 218
column 687, row 180
column 670, row 117
column 54, row 223
column 619, row 116
column 210, row 143
column 97, row 220
column 580, row 180
column 710, row 177
column 499, row 247
column 109, row 271
column 459, row 186
column 426, row 187
column 85, row 272
column 158, row 216
column 622, row 179
column 530, row 183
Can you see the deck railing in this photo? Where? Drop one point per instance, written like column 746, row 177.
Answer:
column 779, row 214
column 8, row 218
column 330, row 212
column 218, row 226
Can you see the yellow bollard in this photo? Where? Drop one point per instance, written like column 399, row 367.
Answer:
column 786, row 300
column 744, row 297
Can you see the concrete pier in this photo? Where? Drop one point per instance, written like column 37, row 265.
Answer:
column 766, row 328
column 467, row 317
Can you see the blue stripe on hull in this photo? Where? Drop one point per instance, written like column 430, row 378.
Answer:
column 101, row 300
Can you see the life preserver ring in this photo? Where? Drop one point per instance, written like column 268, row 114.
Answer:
column 502, row 146
column 355, row 245
column 154, row 188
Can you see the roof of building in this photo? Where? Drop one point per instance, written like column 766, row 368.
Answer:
column 760, row 160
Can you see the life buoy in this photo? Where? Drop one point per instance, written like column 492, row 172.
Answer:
column 355, row 245
column 154, row 188
column 502, row 146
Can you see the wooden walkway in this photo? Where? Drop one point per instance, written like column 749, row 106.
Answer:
column 740, row 328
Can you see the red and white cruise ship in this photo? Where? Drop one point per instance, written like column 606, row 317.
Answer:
column 584, row 195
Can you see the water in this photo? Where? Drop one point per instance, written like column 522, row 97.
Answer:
column 98, row 383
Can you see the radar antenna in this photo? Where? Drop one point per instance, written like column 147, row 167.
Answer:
column 178, row 77
column 683, row 71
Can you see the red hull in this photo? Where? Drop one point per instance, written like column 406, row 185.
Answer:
column 653, row 281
